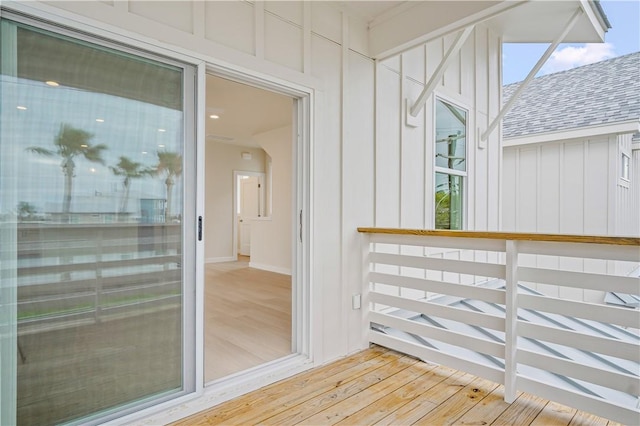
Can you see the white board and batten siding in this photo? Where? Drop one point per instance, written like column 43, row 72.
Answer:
column 572, row 187
column 404, row 155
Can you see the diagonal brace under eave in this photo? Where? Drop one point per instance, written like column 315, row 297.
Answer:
column 439, row 72
column 552, row 47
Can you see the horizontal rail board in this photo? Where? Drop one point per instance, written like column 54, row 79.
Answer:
column 571, row 338
column 434, row 356
column 459, row 290
column 433, row 263
column 609, row 410
column 607, row 378
column 516, row 236
column 450, row 337
column 629, row 253
column 440, row 242
column 440, row 311
column 582, row 280
column 607, row 314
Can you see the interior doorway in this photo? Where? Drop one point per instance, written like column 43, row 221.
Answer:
column 249, row 242
column 249, row 193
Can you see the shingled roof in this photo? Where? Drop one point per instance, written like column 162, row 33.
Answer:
column 602, row 93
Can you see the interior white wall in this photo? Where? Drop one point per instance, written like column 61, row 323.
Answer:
column 271, row 236
column 221, row 160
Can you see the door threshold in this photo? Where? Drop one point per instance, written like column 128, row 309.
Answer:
column 227, row 388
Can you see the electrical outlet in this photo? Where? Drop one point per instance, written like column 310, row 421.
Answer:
column 356, row 301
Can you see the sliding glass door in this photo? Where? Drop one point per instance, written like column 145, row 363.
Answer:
column 97, row 288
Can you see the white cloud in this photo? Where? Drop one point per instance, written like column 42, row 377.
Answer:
column 571, row 57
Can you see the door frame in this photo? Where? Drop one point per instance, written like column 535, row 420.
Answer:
column 236, row 174
column 301, row 238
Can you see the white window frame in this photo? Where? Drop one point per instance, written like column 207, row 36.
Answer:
column 625, row 166
column 464, row 174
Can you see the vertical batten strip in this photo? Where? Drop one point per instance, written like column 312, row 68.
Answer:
column 344, row 73
column 511, row 321
column 258, row 10
column 612, row 190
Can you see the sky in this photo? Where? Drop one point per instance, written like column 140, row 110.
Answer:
column 624, row 37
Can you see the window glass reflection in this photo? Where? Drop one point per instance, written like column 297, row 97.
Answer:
column 96, row 193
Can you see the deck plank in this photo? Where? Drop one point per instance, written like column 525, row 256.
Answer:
column 522, row 411
column 367, row 397
column 396, row 399
column 302, row 413
column 429, row 400
column 459, row 403
column 382, row 387
column 554, row 414
column 487, row 410
column 349, row 368
column 585, row 419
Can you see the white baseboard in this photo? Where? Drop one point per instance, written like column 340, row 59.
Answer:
column 220, row 259
column 270, row 268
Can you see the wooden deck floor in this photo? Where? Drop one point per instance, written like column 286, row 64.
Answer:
column 382, row 387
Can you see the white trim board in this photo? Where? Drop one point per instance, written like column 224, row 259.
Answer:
column 270, row 268
column 630, row 126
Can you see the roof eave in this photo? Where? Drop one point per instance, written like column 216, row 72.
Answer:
column 621, row 127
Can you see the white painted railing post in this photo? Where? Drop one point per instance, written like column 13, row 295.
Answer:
column 365, row 288
column 511, row 321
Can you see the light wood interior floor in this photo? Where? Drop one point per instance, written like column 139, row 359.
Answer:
column 247, row 317
column 382, row 387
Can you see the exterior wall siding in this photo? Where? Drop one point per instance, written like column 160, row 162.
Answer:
column 570, row 187
column 405, row 155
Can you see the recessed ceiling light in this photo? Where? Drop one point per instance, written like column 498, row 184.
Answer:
column 214, row 116
column 160, row 146
column 84, row 145
column 22, row 108
column 52, row 83
column 100, row 120
column 144, row 152
column 92, row 170
column 161, row 130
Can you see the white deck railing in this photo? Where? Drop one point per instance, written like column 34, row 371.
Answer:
column 420, row 273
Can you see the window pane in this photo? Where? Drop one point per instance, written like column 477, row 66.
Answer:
column 448, row 201
column 96, row 195
column 451, row 132
column 625, row 167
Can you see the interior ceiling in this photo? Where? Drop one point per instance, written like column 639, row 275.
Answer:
column 243, row 111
